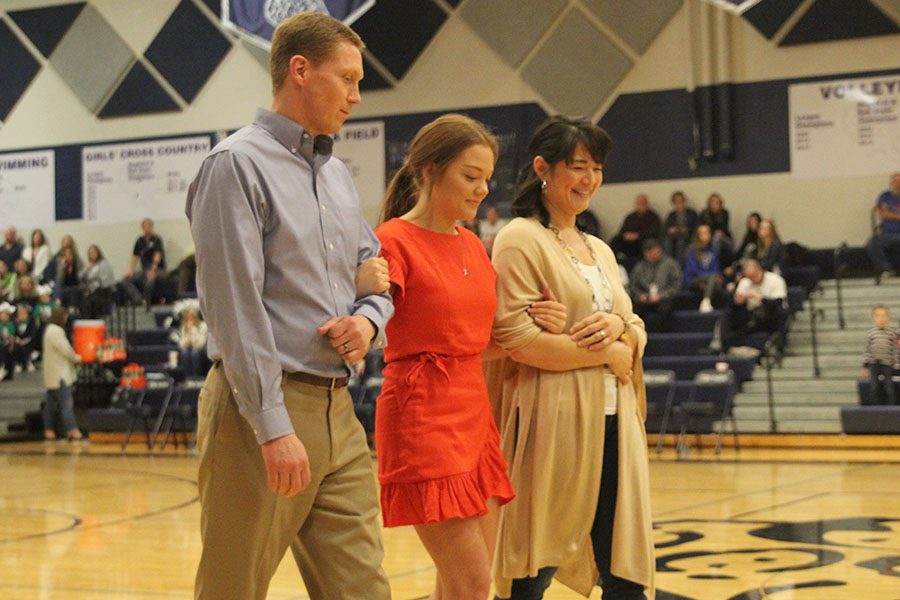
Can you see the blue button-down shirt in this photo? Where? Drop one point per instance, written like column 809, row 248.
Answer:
column 279, row 234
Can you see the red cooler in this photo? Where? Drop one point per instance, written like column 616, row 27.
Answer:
column 88, row 336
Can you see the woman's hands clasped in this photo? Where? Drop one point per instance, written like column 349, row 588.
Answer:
column 597, row 331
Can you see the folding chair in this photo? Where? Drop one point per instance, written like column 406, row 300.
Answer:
column 660, row 386
column 149, row 406
column 711, row 399
column 183, row 410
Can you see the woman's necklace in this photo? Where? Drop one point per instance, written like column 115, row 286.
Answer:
column 607, row 291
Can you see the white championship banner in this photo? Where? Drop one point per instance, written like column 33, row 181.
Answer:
column 361, row 146
column 125, row 183
column 845, row 127
column 27, row 190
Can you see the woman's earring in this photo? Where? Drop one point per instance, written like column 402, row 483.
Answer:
column 544, row 187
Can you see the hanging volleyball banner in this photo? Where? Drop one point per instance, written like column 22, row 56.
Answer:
column 256, row 20
column 845, row 127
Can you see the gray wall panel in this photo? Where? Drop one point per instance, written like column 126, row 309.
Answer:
column 577, row 68
column 91, row 58
column 635, row 21
column 511, row 27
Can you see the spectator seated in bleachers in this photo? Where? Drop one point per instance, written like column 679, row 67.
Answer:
column 759, row 302
column 23, row 340
column 882, row 357
column 489, row 226
column 884, row 247
column 639, row 225
column 716, row 216
column 680, row 225
column 25, row 291
column 747, row 249
column 51, row 271
column 12, row 248
column 97, row 285
column 40, row 315
column 769, row 249
column 655, row 281
column 66, row 288
column 7, row 282
column 37, row 254
column 150, row 254
column 7, row 333
column 702, row 271
column 191, row 338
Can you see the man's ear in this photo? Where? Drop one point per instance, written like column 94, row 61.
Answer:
column 298, row 68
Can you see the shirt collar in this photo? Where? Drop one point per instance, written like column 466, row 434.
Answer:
column 294, row 137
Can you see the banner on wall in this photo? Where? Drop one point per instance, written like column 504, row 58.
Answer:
column 124, row 183
column 27, row 189
column 360, row 146
column 256, row 20
column 845, row 127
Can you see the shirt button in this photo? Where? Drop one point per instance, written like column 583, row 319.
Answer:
column 234, row 391
column 335, row 285
column 324, row 208
column 331, row 246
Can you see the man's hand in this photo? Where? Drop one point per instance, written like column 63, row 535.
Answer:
column 350, row 336
column 287, row 465
column 372, row 277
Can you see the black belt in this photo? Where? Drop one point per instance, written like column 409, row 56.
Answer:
column 332, row 383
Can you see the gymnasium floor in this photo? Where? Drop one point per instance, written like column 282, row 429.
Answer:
column 85, row 522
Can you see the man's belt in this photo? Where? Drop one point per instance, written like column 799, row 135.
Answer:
column 332, row 383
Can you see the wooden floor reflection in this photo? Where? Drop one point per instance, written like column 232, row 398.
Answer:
column 84, row 522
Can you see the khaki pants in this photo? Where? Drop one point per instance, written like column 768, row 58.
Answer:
column 331, row 526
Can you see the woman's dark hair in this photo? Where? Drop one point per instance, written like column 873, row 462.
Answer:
column 99, row 251
column 43, row 237
column 58, row 316
column 555, row 141
column 437, row 143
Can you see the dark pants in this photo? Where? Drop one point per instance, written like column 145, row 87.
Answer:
column 192, row 361
column 97, row 304
column 884, row 250
column 61, row 397
column 881, row 390
column 614, row 588
column 656, row 316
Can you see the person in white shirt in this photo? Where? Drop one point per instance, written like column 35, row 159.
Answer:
column 59, row 375
column 192, row 338
column 760, row 300
column 38, row 254
column 489, row 226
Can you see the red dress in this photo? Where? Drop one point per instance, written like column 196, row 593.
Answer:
column 438, row 447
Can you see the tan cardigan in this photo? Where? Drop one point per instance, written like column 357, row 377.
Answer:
column 552, row 425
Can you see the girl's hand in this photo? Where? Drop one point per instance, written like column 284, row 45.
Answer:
column 549, row 314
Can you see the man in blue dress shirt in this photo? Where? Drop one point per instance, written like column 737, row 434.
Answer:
column 279, row 235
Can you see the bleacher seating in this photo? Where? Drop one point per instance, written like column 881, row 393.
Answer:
column 147, row 337
column 687, row 367
column 870, row 419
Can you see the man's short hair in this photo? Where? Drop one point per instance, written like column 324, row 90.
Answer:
column 650, row 244
column 310, row 34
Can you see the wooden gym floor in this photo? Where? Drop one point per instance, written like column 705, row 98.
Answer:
column 86, row 522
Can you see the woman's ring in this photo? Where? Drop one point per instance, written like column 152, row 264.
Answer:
column 602, row 333
column 346, row 348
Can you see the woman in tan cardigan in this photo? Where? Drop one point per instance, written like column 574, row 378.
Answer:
column 570, row 407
